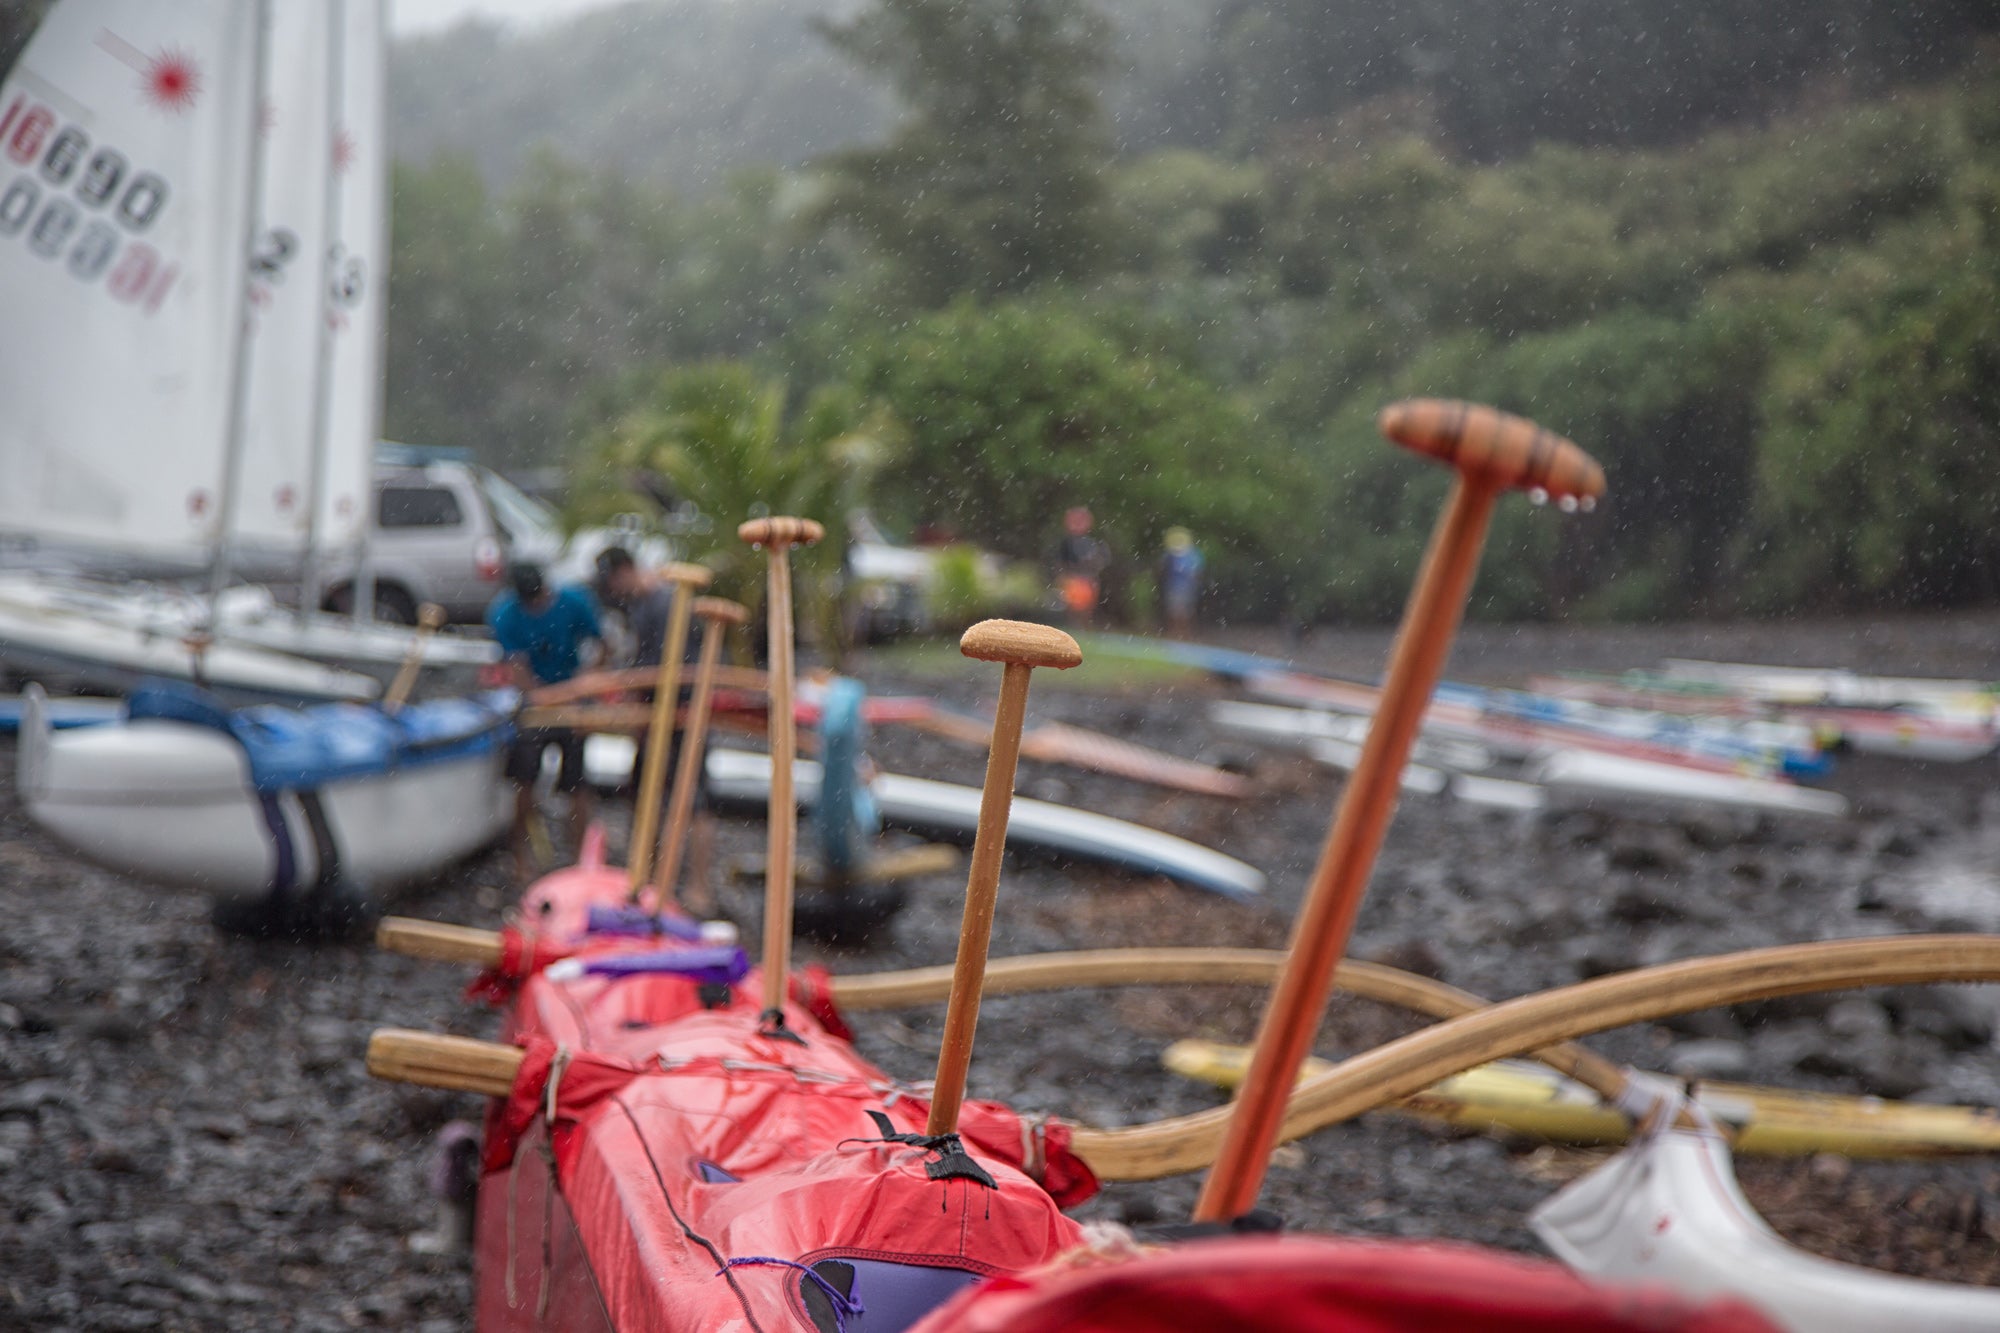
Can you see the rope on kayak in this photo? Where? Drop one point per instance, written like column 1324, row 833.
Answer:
column 667, row 1197
column 843, row 1304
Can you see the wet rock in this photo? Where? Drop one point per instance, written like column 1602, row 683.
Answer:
column 1710, row 1024
column 1411, row 955
column 1897, row 839
column 1856, row 1019
column 1710, row 1059
column 1634, row 846
column 1650, row 900
column 1963, row 1018
column 1897, row 1067
column 30, row 1097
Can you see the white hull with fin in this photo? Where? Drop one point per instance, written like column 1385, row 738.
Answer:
column 173, row 803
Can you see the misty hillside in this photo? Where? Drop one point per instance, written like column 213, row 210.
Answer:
column 682, row 92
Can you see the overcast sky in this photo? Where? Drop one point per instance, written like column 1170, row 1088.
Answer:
column 411, row 16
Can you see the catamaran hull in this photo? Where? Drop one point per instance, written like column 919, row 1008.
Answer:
column 41, row 640
column 172, row 803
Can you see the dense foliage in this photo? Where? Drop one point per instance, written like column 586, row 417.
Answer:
column 1753, row 265
column 1782, row 339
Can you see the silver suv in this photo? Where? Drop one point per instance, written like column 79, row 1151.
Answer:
column 445, row 529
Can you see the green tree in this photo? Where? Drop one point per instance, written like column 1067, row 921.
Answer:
column 994, row 179
column 722, row 436
column 1022, row 409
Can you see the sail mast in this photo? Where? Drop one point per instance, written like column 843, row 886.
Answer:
column 322, row 425
column 239, row 406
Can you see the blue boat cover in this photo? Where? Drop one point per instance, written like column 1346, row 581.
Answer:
column 300, row 749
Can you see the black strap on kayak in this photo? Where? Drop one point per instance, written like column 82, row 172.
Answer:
column 952, row 1162
column 771, row 1023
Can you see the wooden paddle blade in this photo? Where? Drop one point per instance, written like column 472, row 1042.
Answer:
column 1500, row 447
column 438, row 941
column 428, row 1060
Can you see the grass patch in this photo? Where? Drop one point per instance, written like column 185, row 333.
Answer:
column 1106, row 665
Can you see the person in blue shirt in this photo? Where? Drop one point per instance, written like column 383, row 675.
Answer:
column 545, row 635
column 1180, row 581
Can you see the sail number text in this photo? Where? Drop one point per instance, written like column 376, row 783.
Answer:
column 83, row 206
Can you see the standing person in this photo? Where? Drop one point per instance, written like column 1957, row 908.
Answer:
column 645, row 606
column 1180, row 581
column 1080, row 563
column 544, row 635
column 647, row 609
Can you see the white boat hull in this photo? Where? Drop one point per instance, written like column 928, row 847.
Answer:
column 1669, row 1210
column 172, row 803
column 947, row 809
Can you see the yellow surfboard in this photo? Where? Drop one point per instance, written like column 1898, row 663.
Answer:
column 1517, row 1097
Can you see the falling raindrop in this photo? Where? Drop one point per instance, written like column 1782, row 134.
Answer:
column 1567, row 504
column 1538, row 496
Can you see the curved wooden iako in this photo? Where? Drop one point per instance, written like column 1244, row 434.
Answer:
column 1491, row 452
column 1538, row 1023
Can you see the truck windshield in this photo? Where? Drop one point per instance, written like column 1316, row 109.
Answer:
column 518, row 513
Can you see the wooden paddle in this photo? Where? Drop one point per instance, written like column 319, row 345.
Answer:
column 1022, row 648
column 717, row 614
column 430, row 617
column 778, row 535
column 660, row 733
column 1491, row 452
column 1401, row 1067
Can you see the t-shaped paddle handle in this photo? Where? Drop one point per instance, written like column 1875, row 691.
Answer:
column 1491, row 451
column 1507, row 451
column 1022, row 647
column 718, row 615
column 777, row 535
column 686, row 580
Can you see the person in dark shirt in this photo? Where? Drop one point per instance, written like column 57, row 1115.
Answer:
column 545, row 635
column 644, row 605
column 1081, row 559
column 647, row 609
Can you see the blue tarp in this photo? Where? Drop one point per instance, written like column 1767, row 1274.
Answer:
column 299, row 749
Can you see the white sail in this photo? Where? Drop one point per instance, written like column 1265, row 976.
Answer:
column 283, row 303
column 124, row 131
column 357, row 276
column 317, row 285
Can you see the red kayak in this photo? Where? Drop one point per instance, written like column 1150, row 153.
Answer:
column 713, row 1171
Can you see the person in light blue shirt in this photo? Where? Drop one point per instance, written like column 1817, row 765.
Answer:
column 545, row 635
